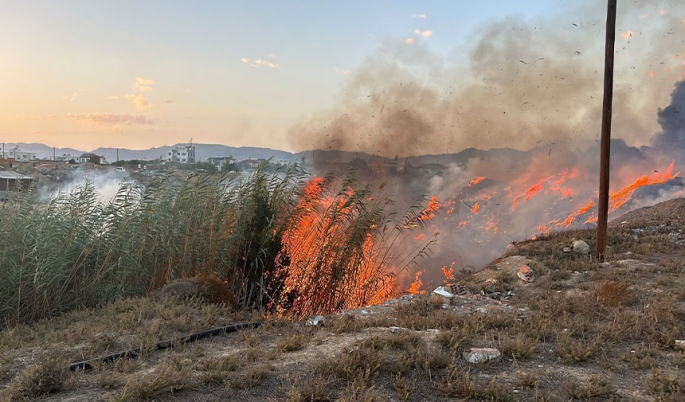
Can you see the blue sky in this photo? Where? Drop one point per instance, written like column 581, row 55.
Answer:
column 138, row 74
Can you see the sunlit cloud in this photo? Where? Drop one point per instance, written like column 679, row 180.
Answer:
column 417, row 16
column 627, row 35
column 245, row 60
column 425, row 33
column 113, row 97
column 144, row 85
column 408, row 41
column 106, row 120
column 265, row 63
column 343, row 71
column 663, row 12
column 139, row 100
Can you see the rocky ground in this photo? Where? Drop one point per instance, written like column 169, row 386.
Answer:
column 558, row 325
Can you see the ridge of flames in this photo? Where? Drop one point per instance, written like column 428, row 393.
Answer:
column 373, row 280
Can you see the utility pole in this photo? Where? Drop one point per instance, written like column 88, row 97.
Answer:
column 54, row 156
column 605, row 148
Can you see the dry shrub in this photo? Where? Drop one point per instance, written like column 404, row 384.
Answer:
column 519, row 348
column 165, row 378
column 594, row 387
column 207, row 289
column 459, row 384
column 42, row 378
column 309, row 390
column 610, row 293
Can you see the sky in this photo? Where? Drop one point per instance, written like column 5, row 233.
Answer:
column 138, row 74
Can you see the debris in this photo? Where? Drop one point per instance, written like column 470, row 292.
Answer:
column 316, row 321
column 680, row 344
column 491, row 281
column 526, row 274
column 440, row 294
column 481, row 355
column 567, row 249
column 457, row 289
column 581, row 247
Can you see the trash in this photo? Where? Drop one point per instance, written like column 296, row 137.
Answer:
column 526, row 274
column 442, row 295
column 316, row 321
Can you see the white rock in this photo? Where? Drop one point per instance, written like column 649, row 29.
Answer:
column 481, row 355
column 581, row 247
column 680, row 344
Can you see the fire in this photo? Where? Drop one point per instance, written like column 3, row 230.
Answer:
column 449, row 273
column 584, row 209
column 476, row 181
column 324, row 258
column 475, row 209
column 420, row 237
column 415, row 287
column 617, row 199
column 433, row 206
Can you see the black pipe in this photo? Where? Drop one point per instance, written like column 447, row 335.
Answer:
column 88, row 364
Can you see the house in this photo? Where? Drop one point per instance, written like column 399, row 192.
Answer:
column 16, row 154
column 221, row 161
column 92, row 158
column 183, row 154
column 13, row 182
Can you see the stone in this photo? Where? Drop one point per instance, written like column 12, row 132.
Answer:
column 680, row 344
column 526, row 274
column 581, row 247
column 481, row 355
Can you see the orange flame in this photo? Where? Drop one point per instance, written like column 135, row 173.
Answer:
column 617, row 199
column 431, row 209
column 449, row 273
column 585, row 208
column 420, row 237
column 415, row 287
column 476, row 181
column 475, row 209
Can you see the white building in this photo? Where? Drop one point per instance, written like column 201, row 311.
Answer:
column 17, row 154
column 183, row 154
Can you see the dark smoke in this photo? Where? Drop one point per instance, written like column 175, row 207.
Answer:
column 530, row 92
column 520, row 84
column 672, row 121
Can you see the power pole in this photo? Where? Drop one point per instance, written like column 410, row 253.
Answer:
column 605, row 150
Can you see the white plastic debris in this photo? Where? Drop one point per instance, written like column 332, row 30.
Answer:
column 526, row 274
column 441, row 294
column 316, row 321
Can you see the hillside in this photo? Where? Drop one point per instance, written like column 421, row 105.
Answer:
column 582, row 330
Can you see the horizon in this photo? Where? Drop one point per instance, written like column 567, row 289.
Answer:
column 410, row 79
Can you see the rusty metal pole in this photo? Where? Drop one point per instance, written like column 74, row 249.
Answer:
column 602, row 214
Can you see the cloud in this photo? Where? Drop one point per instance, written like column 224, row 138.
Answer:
column 343, row 71
column 113, row 97
column 139, row 100
column 408, row 41
column 265, row 63
column 425, row 33
column 418, row 16
column 106, row 120
column 245, row 60
column 663, row 12
column 144, row 85
column 627, row 35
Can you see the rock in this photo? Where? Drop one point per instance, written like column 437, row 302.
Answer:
column 526, row 274
column 481, row 355
column 316, row 321
column 442, row 295
column 581, row 247
column 680, row 344
column 567, row 249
